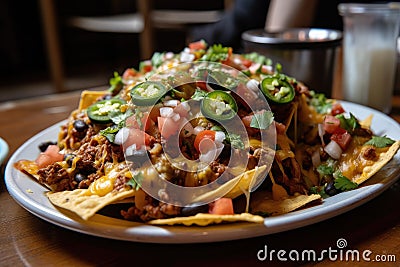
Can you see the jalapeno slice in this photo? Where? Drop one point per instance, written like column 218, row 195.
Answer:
column 221, row 80
column 100, row 111
column 147, row 93
column 219, row 106
column 277, row 89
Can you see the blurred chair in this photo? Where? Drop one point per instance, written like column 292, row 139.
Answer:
column 143, row 22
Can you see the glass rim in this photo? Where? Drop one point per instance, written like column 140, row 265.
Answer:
column 364, row 8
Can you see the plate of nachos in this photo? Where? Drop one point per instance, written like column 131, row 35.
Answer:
column 200, row 146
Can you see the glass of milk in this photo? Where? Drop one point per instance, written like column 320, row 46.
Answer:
column 369, row 53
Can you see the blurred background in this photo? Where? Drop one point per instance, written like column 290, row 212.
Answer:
column 51, row 46
column 88, row 58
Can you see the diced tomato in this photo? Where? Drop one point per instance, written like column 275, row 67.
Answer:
column 50, row 156
column 202, row 85
column 198, row 45
column 181, row 110
column 331, row 124
column 139, row 138
column 222, row 206
column 167, row 126
column 337, row 109
column 246, row 62
column 342, row 138
column 129, row 73
column 228, row 59
column 206, row 134
column 145, row 122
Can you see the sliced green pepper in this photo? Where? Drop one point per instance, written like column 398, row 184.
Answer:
column 221, row 80
column 219, row 106
column 100, row 111
column 277, row 89
column 147, row 93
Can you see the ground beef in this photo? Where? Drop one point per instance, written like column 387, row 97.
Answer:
column 152, row 211
column 369, row 152
column 56, row 177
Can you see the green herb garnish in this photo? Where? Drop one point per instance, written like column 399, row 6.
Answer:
column 343, row 183
column 380, row 141
column 235, row 140
column 136, row 181
column 349, row 124
column 116, row 84
column 262, row 120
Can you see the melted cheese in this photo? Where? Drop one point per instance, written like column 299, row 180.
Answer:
column 105, row 184
column 352, row 163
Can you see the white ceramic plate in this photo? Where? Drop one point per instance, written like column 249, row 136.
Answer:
column 30, row 195
column 3, row 150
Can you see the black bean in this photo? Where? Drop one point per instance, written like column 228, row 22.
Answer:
column 330, row 189
column 69, row 158
column 80, row 126
column 193, row 210
column 43, row 146
column 79, row 177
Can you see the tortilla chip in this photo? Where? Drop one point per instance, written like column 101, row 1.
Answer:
column 89, row 97
column 383, row 159
column 30, row 168
column 366, row 123
column 204, row 219
column 243, row 182
column 263, row 202
column 84, row 204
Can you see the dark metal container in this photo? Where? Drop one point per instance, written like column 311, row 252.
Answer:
column 307, row 54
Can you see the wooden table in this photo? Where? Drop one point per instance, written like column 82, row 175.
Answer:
column 26, row 240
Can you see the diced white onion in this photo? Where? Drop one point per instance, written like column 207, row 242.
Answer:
column 175, row 117
column 166, row 112
column 211, row 154
column 253, row 85
column 333, row 149
column 129, row 151
column 198, row 129
column 121, row 136
column 321, row 132
column 187, row 57
column 219, row 136
column 185, row 105
column 169, row 55
column 254, row 68
column 171, row 103
column 316, row 158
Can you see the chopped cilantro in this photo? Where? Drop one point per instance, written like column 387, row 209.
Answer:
column 325, row 169
column 235, row 140
column 320, row 190
column 199, row 94
column 380, row 141
column 110, row 132
column 343, row 183
column 119, row 119
column 258, row 58
column 136, row 181
column 216, row 53
column 349, row 124
column 321, row 104
column 116, row 84
column 262, row 120
column 157, row 59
